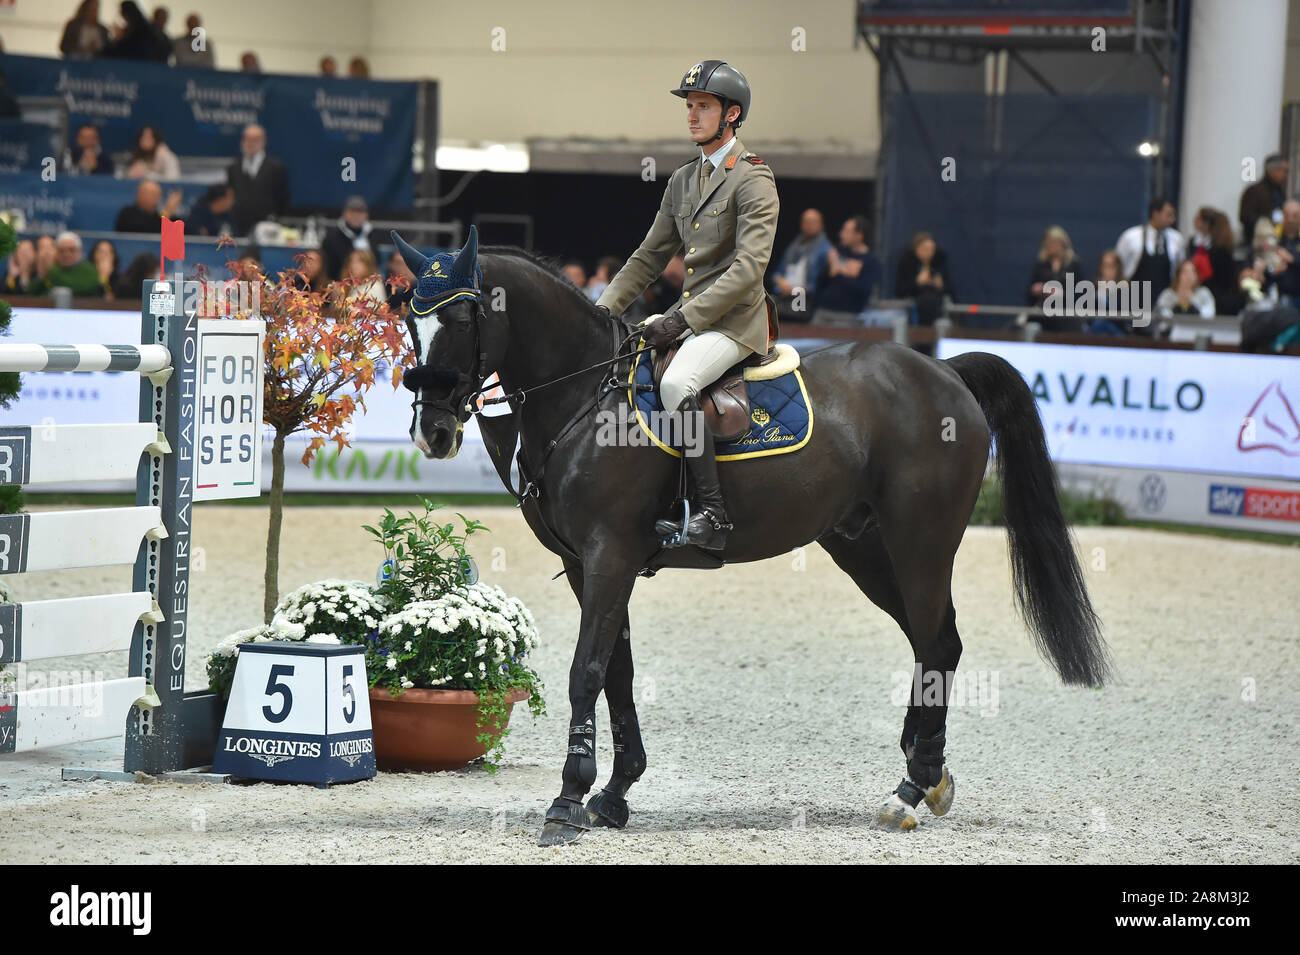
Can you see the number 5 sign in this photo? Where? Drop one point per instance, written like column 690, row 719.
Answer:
column 298, row 712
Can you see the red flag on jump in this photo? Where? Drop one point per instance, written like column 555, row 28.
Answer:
column 173, row 244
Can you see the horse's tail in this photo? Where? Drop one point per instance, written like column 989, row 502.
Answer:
column 1049, row 585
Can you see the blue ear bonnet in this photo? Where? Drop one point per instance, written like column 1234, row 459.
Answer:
column 443, row 277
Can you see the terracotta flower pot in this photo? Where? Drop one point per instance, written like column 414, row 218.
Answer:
column 429, row 729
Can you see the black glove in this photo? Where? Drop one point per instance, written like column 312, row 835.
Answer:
column 605, row 309
column 665, row 329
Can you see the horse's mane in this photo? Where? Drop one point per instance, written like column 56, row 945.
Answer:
column 551, row 266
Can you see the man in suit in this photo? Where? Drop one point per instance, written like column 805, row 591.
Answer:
column 260, row 182
column 722, row 208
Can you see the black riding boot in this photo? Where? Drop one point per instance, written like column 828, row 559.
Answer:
column 708, row 526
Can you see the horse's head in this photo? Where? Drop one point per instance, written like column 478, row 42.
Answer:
column 447, row 326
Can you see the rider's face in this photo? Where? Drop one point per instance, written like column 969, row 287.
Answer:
column 703, row 112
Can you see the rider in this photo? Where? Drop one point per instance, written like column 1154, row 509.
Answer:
column 722, row 207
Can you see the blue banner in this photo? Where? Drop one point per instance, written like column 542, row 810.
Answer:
column 24, row 145
column 79, row 203
column 323, row 129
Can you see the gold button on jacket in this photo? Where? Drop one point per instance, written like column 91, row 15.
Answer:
column 733, row 226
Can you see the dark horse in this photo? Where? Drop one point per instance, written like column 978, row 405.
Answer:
column 886, row 486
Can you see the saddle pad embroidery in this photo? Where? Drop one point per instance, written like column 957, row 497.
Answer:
column 780, row 414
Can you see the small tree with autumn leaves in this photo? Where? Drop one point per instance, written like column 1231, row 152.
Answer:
column 324, row 351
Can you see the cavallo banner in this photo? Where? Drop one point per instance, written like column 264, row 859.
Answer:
column 318, row 126
column 1146, row 408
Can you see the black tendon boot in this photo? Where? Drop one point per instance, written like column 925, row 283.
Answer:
column 708, row 526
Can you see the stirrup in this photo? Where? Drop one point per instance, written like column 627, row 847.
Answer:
column 678, row 537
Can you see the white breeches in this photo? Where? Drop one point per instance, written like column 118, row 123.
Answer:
column 700, row 361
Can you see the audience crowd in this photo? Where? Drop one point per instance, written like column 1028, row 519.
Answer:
column 1214, row 270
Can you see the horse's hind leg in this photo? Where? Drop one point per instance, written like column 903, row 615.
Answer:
column 609, row 806
column 868, row 562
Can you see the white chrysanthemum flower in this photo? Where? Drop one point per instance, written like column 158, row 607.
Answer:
column 392, row 663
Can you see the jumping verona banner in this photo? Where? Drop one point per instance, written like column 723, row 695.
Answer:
column 313, row 123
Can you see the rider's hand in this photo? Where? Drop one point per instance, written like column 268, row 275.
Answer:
column 665, row 329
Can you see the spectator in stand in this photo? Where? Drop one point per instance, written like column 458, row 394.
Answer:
column 1264, row 199
column 1056, row 258
column 84, row 37
column 22, row 277
column 358, row 68
column 260, row 182
column 159, row 19
column 214, row 213
column 87, row 157
column 249, row 63
column 1152, row 251
column 144, row 266
column 144, row 214
column 606, row 268
column 1211, row 248
column 367, row 289
column 398, row 297
column 1186, row 296
column 851, row 274
column 923, row 277
column 103, row 256
column 71, row 270
column 137, row 39
column 329, row 66
column 576, row 273
column 663, row 291
column 311, row 276
column 183, row 46
column 47, row 254
column 151, row 158
column 800, row 267
column 1286, row 271
column 1112, row 299
column 351, row 231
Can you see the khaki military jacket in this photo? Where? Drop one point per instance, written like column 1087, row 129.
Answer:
column 726, row 237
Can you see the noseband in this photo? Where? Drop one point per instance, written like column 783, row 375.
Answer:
column 463, row 385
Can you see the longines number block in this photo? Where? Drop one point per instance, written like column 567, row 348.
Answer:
column 298, row 712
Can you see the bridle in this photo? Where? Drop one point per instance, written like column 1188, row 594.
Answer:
column 463, row 404
column 459, row 401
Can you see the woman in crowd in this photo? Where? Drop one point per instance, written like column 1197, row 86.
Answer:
column 1186, row 296
column 46, row 256
column 104, row 257
column 151, row 158
column 84, row 37
column 923, row 276
column 22, row 277
column 311, row 276
column 366, row 287
column 1056, row 257
column 1211, row 248
column 1112, row 297
column 137, row 39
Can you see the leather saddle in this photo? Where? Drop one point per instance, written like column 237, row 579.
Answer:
column 725, row 403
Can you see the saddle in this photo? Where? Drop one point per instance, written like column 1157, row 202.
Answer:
column 725, row 403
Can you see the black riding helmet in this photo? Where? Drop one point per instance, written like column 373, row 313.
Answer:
column 722, row 80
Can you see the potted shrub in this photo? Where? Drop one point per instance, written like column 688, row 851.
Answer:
column 448, row 663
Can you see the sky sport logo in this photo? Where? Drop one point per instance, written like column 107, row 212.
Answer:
column 77, row 908
column 1258, row 502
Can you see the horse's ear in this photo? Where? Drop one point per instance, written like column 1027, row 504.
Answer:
column 415, row 259
column 467, row 259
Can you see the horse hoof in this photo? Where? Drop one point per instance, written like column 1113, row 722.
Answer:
column 559, row 834
column 606, row 809
column 938, row 798
column 896, row 814
column 566, row 821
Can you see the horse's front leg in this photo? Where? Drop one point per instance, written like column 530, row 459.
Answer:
column 609, row 806
column 606, row 588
